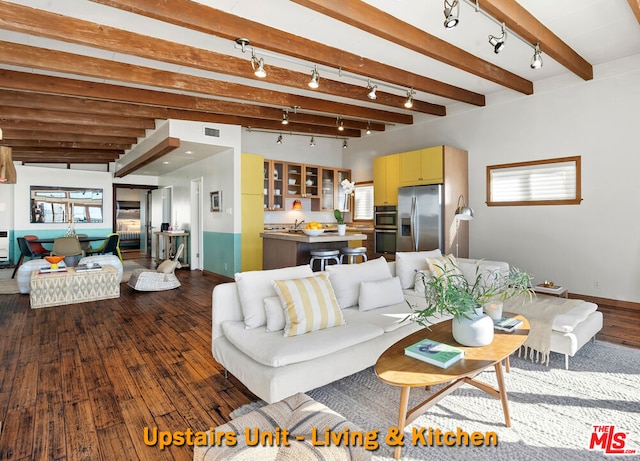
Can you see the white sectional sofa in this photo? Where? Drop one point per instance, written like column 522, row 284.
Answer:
column 249, row 327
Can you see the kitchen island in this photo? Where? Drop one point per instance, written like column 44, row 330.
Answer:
column 287, row 249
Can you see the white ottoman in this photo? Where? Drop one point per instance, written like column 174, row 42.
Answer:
column 23, row 276
column 299, row 414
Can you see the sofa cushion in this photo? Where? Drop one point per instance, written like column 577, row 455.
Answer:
column 254, row 286
column 471, row 268
column 380, row 293
column 346, row 278
column 444, row 264
column 408, row 262
column 422, row 277
column 309, row 304
column 275, row 350
column 275, row 313
column 568, row 321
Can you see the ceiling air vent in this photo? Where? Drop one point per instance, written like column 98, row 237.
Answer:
column 212, row 132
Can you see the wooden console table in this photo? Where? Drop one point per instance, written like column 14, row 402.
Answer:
column 170, row 240
column 58, row 288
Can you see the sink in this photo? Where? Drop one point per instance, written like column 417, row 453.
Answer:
column 295, row 231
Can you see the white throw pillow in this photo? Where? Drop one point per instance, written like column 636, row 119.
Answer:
column 309, row 304
column 346, row 278
column 409, row 262
column 422, row 277
column 275, row 313
column 254, row 286
column 380, row 293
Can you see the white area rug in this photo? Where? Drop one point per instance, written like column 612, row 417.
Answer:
column 553, row 410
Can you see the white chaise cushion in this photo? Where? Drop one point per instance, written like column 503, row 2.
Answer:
column 568, row 321
column 408, row 262
column 309, row 304
column 275, row 350
column 380, row 293
column 254, row 286
column 346, row 278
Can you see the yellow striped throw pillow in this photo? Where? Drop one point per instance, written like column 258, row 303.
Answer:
column 309, row 304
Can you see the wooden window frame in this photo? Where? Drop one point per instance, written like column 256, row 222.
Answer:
column 575, row 201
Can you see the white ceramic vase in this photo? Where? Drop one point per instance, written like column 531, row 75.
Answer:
column 342, row 229
column 474, row 331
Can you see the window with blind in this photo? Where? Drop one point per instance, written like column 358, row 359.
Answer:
column 542, row 182
column 363, row 202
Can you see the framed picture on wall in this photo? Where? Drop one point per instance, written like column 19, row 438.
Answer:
column 216, row 201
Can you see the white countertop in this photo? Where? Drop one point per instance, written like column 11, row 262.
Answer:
column 303, row 238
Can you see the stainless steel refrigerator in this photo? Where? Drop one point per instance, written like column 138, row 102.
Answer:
column 420, row 218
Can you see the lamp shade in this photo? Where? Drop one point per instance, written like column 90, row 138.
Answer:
column 463, row 212
column 297, row 205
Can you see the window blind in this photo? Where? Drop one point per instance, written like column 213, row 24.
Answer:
column 363, row 207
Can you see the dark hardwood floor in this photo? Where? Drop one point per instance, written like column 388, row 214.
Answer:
column 80, row 382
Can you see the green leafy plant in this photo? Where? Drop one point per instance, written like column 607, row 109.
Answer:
column 450, row 293
column 338, row 215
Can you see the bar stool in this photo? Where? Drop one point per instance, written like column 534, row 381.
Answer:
column 324, row 256
column 352, row 253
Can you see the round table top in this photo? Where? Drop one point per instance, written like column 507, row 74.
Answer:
column 395, row 368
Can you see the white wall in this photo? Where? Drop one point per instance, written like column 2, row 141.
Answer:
column 592, row 248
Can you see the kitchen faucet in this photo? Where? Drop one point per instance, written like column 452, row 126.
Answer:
column 296, row 224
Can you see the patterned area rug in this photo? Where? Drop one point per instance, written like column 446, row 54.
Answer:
column 8, row 286
column 553, row 410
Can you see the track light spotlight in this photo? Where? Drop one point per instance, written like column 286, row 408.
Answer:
column 409, row 102
column 243, row 42
column 315, row 78
column 285, row 117
column 312, row 143
column 368, row 127
column 340, row 124
column 451, row 19
column 279, row 140
column 536, row 60
column 498, row 42
column 258, row 66
column 372, row 90
column 344, row 144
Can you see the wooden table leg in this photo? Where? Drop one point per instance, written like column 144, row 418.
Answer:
column 503, row 393
column 507, row 365
column 402, row 416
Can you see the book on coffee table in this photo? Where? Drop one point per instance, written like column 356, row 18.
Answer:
column 507, row 324
column 84, row 267
column 435, row 353
column 48, row 270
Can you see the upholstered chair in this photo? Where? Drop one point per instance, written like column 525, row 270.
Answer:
column 70, row 248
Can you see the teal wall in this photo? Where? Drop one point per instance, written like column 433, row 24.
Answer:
column 221, row 253
column 14, row 250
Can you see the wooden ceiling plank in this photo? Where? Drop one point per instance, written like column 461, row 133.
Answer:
column 523, row 23
column 161, row 149
column 205, row 19
column 28, row 20
column 39, row 58
column 365, row 17
column 23, row 113
column 13, row 127
column 30, row 82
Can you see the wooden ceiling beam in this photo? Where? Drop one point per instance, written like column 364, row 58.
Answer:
column 64, row 145
column 67, row 153
column 78, row 105
column 42, row 23
column 39, row 58
column 205, row 19
column 13, row 127
column 160, row 150
column 365, row 17
column 24, row 113
column 523, row 23
column 71, row 138
column 28, row 158
column 635, row 7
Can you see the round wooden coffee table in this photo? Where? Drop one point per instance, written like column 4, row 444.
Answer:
column 395, row 368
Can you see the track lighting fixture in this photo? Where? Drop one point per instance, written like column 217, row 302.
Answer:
column 312, row 143
column 279, row 140
column 258, row 66
column 344, row 144
column 409, row 102
column 243, row 42
column 498, row 42
column 536, row 61
column 340, row 123
column 372, row 90
column 451, row 18
column 285, row 117
column 368, row 127
column 315, row 78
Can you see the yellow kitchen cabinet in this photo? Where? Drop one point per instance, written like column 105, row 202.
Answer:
column 423, row 166
column 251, row 167
column 252, row 210
column 386, row 180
